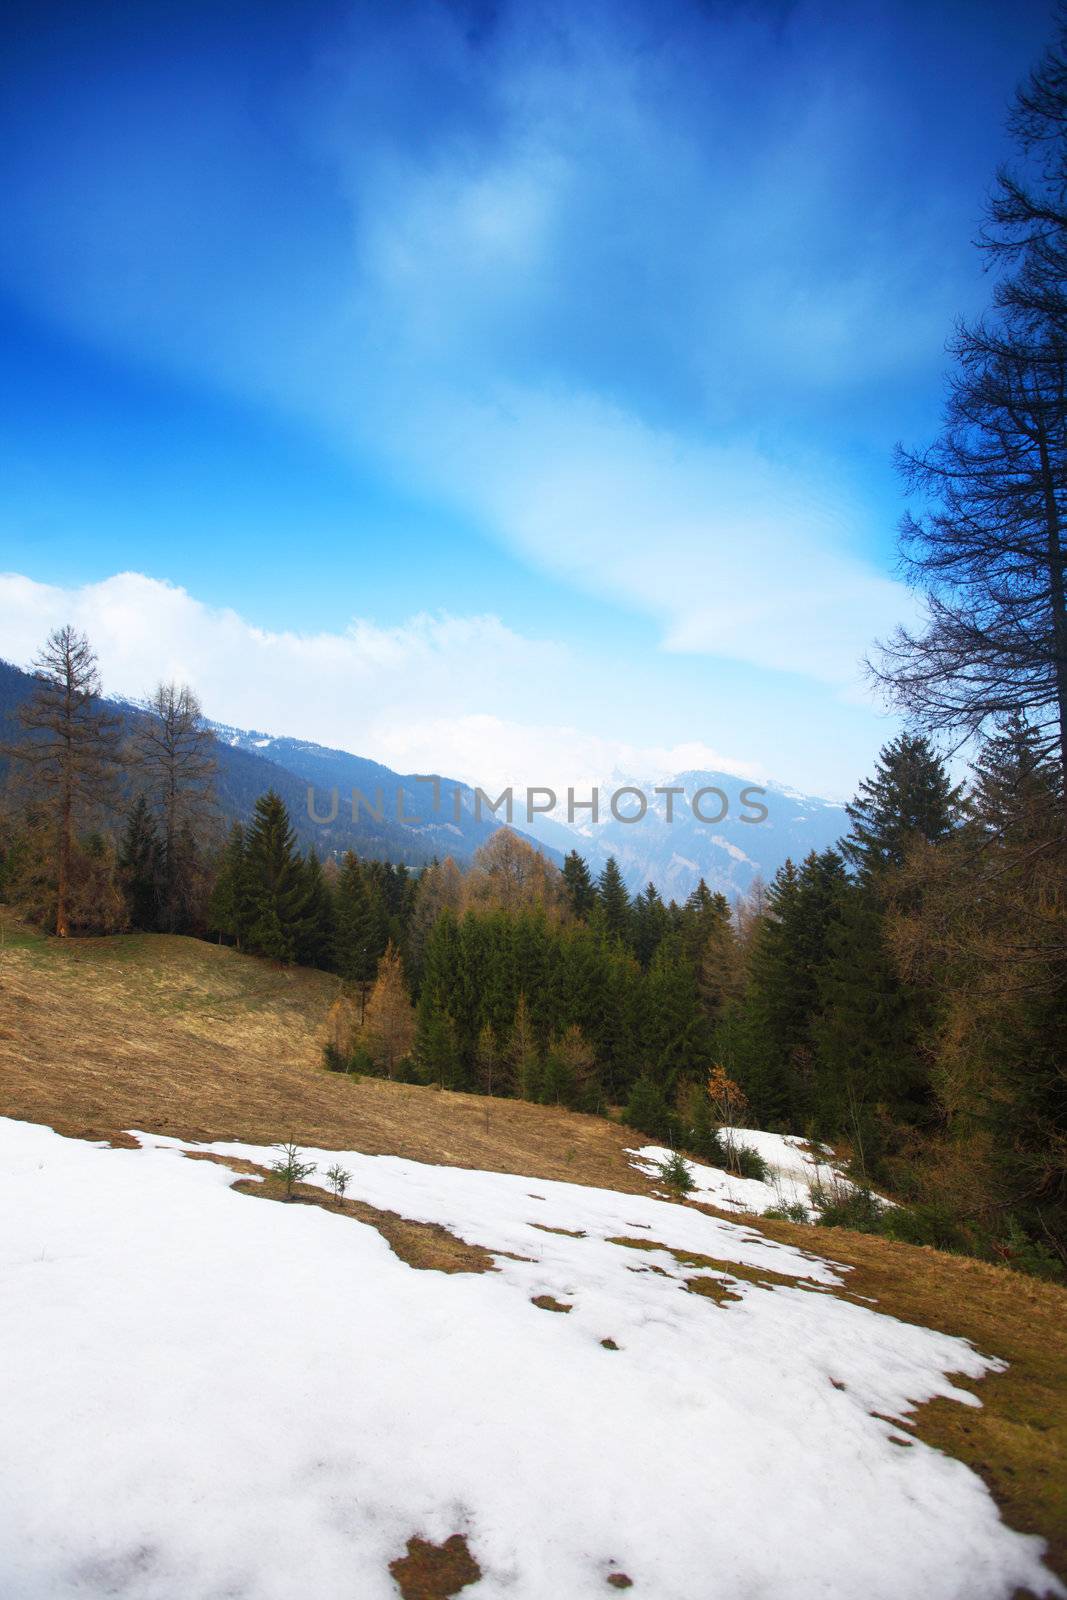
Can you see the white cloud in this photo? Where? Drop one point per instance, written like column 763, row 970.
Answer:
column 400, row 695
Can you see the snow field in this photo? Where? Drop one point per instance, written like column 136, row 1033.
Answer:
column 217, row 1398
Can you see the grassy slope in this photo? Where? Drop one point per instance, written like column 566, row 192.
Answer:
column 189, row 1039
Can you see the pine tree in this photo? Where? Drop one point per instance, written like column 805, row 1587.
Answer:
column 909, row 799
column 648, row 1111
column 1016, row 791
column 360, row 926
column 70, row 753
column 613, row 902
column 523, row 1056
column 276, row 880
column 581, row 895
column 435, row 1054
column 230, row 903
column 650, row 924
column 674, row 1040
column 316, row 940
column 140, row 866
column 772, row 1047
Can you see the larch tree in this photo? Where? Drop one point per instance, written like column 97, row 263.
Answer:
column 389, row 1024
column 70, row 753
column 173, row 749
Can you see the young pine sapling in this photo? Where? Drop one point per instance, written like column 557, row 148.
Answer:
column 290, row 1167
column 339, row 1178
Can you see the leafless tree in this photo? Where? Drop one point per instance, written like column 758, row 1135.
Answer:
column 69, row 756
column 173, row 750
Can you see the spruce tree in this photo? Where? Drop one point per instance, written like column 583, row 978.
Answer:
column 434, row 1051
column 523, row 1055
column 1016, row 790
column 909, row 799
column 360, row 926
column 613, row 902
column 578, row 885
column 230, row 903
column 650, row 924
column 316, row 939
column 276, row 881
column 674, row 1040
column 140, row 866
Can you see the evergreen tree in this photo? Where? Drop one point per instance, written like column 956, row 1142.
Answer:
column 523, row 1056
column 230, row 903
column 1016, row 789
column 909, row 799
column 316, row 942
column 435, row 1054
column 578, row 885
column 140, row 866
column 674, row 1042
column 649, row 1112
column 650, row 924
column 276, row 882
column 870, row 1069
column 360, row 926
column 613, row 902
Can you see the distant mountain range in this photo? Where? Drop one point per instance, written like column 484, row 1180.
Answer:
column 411, row 817
column 725, row 841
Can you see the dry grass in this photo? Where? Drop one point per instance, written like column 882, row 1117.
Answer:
column 197, row 1041
column 1017, row 1442
column 179, row 1037
column 427, row 1246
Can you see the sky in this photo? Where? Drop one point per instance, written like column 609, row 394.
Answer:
column 507, row 390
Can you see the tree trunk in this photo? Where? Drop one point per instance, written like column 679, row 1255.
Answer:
column 1058, row 597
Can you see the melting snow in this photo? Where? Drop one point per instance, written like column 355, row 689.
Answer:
column 209, row 1396
column 794, row 1165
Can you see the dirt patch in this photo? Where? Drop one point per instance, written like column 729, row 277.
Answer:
column 619, row 1580
column 435, row 1571
column 717, row 1289
column 763, row 1277
column 426, row 1246
column 565, row 1233
column 548, row 1302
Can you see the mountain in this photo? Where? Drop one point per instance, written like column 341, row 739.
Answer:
column 408, row 817
column 728, row 851
column 400, row 818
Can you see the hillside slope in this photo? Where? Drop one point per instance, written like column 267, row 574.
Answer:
column 180, row 1038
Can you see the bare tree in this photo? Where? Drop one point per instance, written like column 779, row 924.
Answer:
column 70, row 752
column 173, row 749
column 1027, row 222
column 989, row 552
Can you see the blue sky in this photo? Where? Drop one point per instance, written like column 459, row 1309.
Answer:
column 502, row 389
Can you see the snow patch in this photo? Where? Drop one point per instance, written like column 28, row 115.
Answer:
column 208, row 1394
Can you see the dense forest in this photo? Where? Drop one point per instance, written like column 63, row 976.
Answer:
column 903, row 995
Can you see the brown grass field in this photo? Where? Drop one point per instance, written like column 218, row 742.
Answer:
column 180, row 1037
